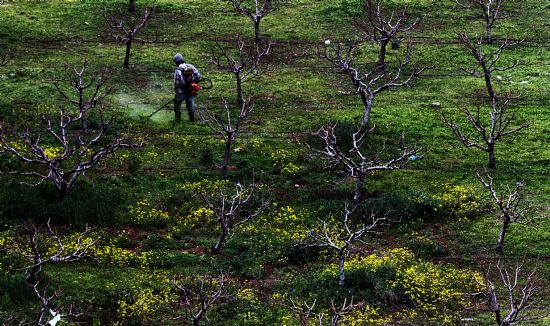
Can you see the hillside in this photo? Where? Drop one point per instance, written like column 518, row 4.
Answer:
column 131, row 239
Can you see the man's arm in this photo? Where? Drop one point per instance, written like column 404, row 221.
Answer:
column 178, row 80
column 196, row 73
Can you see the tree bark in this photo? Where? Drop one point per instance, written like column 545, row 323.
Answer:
column 127, row 56
column 196, row 320
column 63, row 190
column 497, row 317
column 367, row 103
column 492, row 159
column 341, row 271
column 131, row 5
column 84, row 125
column 240, row 96
column 227, row 157
column 257, row 36
column 359, row 189
column 40, row 316
column 488, row 83
column 382, row 55
column 489, row 31
column 217, row 248
column 503, row 229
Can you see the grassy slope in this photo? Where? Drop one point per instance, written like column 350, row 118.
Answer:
column 302, row 92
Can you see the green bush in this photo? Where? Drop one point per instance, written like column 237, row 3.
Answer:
column 80, row 207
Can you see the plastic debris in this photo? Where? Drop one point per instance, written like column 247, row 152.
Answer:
column 415, row 157
column 56, row 318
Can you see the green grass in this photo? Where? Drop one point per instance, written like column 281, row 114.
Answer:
column 300, row 91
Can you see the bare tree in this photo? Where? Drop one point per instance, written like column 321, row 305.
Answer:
column 369, row 84
column 242, row 63
column 357, row 160
column 4, row 58
column 488, row 10
column 35, row 277
column 305, row 312
column 225, row 125
column 520, row 296
column 75, row 153
column 339, row 312
column 95, row 88
column 382, row 29
column 231, row 210
column 511, row 206
column 343, row 237
column 261, row 9
column 14, row 319
column 500, row 121
column 125, row 31
column 199, row 296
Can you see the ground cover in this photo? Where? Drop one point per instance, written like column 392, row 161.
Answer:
column 151, row 226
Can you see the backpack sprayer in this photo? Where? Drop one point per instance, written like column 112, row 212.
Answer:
column 203, row 83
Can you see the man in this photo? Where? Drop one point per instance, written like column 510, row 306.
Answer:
column 184, row 76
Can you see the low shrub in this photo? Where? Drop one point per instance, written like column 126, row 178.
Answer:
column 79, row 208
column 426, row 292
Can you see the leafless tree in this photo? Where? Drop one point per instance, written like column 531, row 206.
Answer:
column 369, row 84
column 4, row 58
column 225, row 125
column 35, row 277
column 305, row 312
column 489, row 132
column 339, row 312
column 231, row 210
column 131, row 5
column 383, row 29
column 86, row 95
column 74, row 153
column 521, row 296
column 488, row 10
column 357, row 160
column 125, row 31
column 14, row 319
column 511, row 206
column 261, row 9
column 199, row 296
column 343, row 236
column 242, row 62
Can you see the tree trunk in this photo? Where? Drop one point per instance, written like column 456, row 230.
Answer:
column 197, row 319
column 84, row 125
column 382, row 55
column 367, row 103
column 489, row 35
column 227, row 157
column 257, row 36
column 359, row 189
column 63, row 190
column 127, row 56
column 503, row 229
column 497, row 317
column 40, row 316
column 492, row 159
column 488, row 83
column 131, row 5
column 341, row 271
column 240, row 96
column 218, row 247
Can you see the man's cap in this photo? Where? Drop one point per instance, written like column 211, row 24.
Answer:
column 178, row 58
